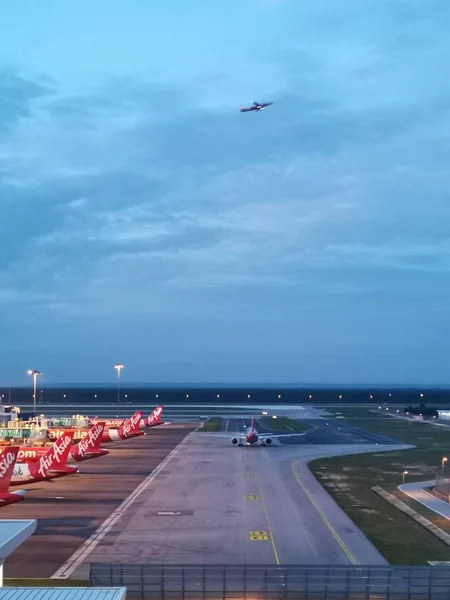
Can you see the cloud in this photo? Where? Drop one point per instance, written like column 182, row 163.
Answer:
column 157, row 199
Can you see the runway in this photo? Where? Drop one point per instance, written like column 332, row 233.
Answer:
column 322, row 431
column 215, row 503
column 70, row 509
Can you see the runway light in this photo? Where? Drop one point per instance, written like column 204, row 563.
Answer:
column 274, row 416
column 264, row 412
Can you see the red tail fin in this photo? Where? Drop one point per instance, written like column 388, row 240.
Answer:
column 155, row 416
column 57, row 455
column 131, row 424
column 7, row 461
column 91, row 440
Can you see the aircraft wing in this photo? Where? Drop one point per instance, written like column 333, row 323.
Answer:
column 275, row 436
column 224, row 434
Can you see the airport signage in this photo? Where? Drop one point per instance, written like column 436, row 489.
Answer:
column 15, row 433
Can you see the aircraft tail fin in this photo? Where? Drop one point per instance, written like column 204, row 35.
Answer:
column 58, row 453
column 91, row 441
column 155, row 417
column 8, row 459
column 130, row 425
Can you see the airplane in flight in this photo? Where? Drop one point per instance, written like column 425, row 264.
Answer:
column 7, row 462
column 88, row 447
column 250, row 436
column 52, row 465
column 154, row 419
column 128, row 429
column 256, row 106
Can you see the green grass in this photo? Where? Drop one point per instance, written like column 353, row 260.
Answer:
column 284, row 424
column 348, row 479
column 211, row 424
column 46, row 583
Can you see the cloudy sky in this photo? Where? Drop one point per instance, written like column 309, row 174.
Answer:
column 144, row 219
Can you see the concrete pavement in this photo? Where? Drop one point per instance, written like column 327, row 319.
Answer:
column 418, row 491
column 214, row 503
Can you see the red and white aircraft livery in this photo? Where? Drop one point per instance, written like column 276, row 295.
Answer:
column 155, row 418
column 8, row 459
column 250, row 436
column 128, row 429
column 88, row 447
column 51, row 465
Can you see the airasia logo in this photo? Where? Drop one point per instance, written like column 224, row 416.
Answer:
column 89, row 439
column 7, row 459
column 59, row 448
column 132, row 424
column 155, row 414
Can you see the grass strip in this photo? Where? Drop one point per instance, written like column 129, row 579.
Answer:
column 212, row 424
column 348, row 479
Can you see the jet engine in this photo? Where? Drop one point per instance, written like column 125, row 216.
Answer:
column 268, row 441
column 234, row 441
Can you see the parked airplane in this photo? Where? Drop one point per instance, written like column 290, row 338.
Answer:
column 128, row 429
column 155, row 418
column 88, row 447
column 51, row 465
column 8, row 459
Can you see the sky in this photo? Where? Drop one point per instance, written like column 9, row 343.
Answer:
column 145, row 220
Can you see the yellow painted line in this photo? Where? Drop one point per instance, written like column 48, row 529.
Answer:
column 251, row 497
column 323, row 517
column 248, row 474
column 272, row 541
column 258, row 536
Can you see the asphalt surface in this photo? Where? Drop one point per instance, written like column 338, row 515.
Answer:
column 322, row 431
column 215, row 503
column 70, row 509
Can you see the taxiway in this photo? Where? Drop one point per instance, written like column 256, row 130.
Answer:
column 214, row 503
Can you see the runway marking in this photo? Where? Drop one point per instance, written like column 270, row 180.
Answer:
column 323, row 517
column 227, row 423
column 258, row 536
column 251, row 497
column 89, row 545
column 266, row 515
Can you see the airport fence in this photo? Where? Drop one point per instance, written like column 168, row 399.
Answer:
column 442, row 484
column 215, row 582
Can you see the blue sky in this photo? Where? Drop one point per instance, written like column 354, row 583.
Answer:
column 145, row 220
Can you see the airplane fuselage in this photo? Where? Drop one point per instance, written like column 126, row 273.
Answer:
column 251, row 437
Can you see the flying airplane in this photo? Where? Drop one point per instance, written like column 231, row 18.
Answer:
column 256, row 106
column 88, row 447
column 128, row 429
column 250, row 436
column 152, row 420
column 7, row 461
column 52, row 465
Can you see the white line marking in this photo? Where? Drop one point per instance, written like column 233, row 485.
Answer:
column 88, row 546
column 168, row 513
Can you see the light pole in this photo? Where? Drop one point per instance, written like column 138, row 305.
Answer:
column 118, row 368
column 444, row 460
column 35, row 374
column 404, row 473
